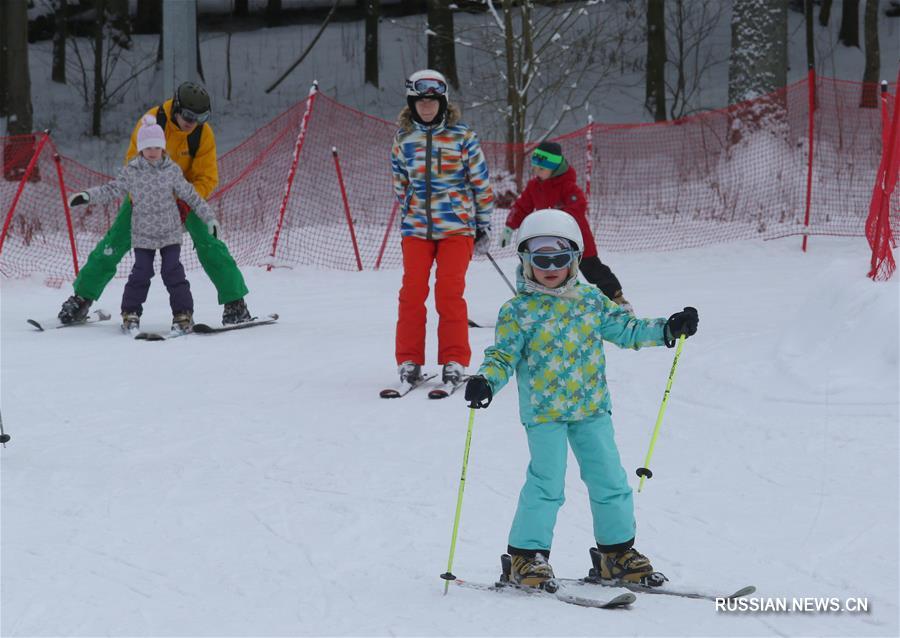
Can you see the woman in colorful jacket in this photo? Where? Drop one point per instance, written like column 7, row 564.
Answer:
column 441, row 181
column 551, row 335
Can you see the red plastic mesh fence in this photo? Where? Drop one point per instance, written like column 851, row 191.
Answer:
column 736, row 173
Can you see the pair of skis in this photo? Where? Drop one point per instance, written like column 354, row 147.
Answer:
column 205, row 329
column 442, row 391
column 199, row 328
column 564, row 593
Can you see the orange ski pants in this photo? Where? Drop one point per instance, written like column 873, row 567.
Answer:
column 452, row 255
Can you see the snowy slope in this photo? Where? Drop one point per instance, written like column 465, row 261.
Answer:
column 253, row 483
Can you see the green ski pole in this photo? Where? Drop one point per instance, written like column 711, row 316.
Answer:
column 448, row 576
column 644, row 472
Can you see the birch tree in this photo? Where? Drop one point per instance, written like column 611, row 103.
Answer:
column 758, row 64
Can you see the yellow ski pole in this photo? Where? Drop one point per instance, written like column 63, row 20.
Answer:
column 448, row 576
column 644, row 472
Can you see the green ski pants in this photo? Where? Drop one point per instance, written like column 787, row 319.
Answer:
column 213, row 254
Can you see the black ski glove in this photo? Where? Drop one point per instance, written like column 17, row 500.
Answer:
column 681, row 323
column 478, row 392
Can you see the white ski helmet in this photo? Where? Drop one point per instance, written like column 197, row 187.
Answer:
column 549, row 222
column 427, row 83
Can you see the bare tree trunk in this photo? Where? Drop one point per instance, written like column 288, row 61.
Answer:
column 100, row 8
column 526, row 70
column 849, row 33
column 273, row 13
column 825, row 13
column 441, row 45
column 810, row 41
column 60, row 17
column 655, row 99
column 373, row 10
column 4, row 47
column 149, row 16
column 241, row 8
column 197, row 38
column 18, row 79
column 228, row 65
column 869, row 97
column 512, row 92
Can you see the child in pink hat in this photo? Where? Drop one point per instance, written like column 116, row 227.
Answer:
column 153, row 181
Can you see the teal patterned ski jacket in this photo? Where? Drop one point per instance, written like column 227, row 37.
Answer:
column 555, row 346
column 440, row 178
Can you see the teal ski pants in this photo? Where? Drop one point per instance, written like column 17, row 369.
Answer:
column 212, row 253
column 542, row 495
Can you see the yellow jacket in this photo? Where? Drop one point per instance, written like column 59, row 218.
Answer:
column 201, row 171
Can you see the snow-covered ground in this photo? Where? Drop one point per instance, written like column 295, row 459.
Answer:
column 252, row 483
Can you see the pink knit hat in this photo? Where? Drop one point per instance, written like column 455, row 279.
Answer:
column 150, row 134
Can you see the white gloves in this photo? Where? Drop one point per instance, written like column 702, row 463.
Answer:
column 214, row 229
column 507, row 236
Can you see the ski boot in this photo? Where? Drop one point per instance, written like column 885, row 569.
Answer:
column 410, row 372
column 182, row 321
column 628, row 566
column 528, row 571
column 453, row 373
column 131, row 322
column 235, row 312
column 74, row 309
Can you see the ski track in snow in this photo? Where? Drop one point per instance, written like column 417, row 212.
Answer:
column 253, row 483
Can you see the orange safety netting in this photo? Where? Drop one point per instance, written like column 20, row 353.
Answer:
column 735, row 173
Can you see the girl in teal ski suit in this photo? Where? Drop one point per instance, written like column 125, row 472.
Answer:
column 551, row 336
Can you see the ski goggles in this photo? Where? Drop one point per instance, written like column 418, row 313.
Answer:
column 551, row 261
column 543, row 159
column 193, row 116
column 427, row 86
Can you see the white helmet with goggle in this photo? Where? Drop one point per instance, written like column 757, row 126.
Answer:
column 427, row 84
column 550, row 239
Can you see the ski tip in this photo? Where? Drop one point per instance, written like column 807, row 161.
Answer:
column 34, row 323
column 744, row 591
column 622, row 600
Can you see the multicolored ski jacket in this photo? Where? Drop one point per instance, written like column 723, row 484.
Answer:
column 440, row 178
column 555, row 346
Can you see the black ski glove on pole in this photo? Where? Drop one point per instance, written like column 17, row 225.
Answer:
column 681, row 323
column 478, row 392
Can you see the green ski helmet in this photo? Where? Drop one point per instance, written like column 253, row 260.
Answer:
column 191, row 102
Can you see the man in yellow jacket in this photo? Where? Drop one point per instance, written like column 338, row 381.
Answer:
column 190, row 143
